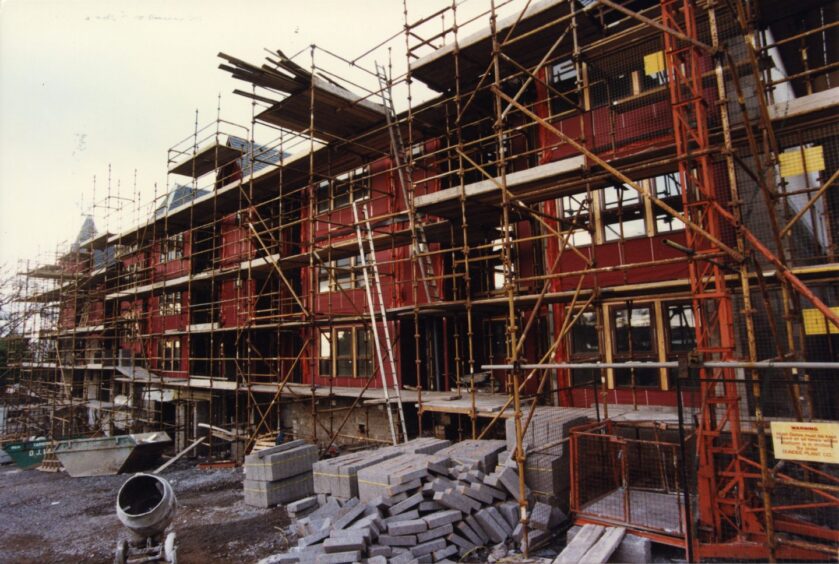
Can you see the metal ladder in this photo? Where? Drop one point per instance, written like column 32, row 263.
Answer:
column 419, row 242
column 371, row 308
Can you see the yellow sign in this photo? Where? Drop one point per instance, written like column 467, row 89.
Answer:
column 812, row 442
column 654, row 63
column 816, row 324
column 797, row 162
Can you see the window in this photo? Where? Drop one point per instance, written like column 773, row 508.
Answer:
column 170, row 355
column 633, row 340
column 172, row 248
column 681, row 337
column 584, row 347
column 576, row 209
column 345, row 352
column 623, row 213
column 497, row 280
column 497, row 345
column 563, row 79
column 341, row 274
column 681, row 334
column 345, row 188
column 170, row 303
column 668, row 188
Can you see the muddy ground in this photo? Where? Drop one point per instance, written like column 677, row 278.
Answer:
column 51, row 517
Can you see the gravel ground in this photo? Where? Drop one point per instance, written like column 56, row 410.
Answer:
column 51, row 517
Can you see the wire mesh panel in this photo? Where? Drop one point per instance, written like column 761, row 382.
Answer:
column 630, row 476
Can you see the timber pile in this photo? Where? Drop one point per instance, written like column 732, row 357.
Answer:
column 413, row 506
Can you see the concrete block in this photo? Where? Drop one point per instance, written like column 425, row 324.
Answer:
column 379, row 550
column 518, row 533
column 404, row 558
column 491, row 526
column 633, row 549
column 458, row 501
column 333, row 545
column 302, row 505
column 479, row 495
column 423, row 445
column 509, row 478
column 510, row 511
column 479, row 530
column 466, row 531
column 479, row 454
column 429, row 506
column 407, row 516
column 435, row 533
column 328, row 509
column 339, row 557
column 443, row 553
column 502, row 522
column 407, row 504
column 275, row 449
column 411, row 527
column 442, row 517
column 376, row 560
column 351, row 515
column 460, row 541
column 268, row 494
column 398, row 540
column 281, row 465
column 428, row 547
column 540, row 516
column 314, row 538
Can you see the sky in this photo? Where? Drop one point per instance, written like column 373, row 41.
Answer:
column 102, row 88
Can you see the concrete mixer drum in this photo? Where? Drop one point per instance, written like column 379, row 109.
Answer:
column 146, row 506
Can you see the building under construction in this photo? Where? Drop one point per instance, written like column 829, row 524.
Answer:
column 620, row 209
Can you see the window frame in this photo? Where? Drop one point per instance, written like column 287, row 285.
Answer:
column 358, row 358
column 170, row 303
column 169, row 349
column 172, row 248
column 651, row 355
column 354, row 185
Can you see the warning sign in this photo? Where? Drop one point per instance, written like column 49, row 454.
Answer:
column 812, row 442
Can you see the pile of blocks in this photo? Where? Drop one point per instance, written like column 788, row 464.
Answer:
column 547, row 470
column 432, row 506
column 279, row 474
column 338, row 476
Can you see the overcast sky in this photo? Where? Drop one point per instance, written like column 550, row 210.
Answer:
column 88, row 83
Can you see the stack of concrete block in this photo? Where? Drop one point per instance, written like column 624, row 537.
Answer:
column 482, row 454
column 422, row 445
column 338, row 476
column 396, row 475
column 547, row 466
column 280, row 474
column 421, row 507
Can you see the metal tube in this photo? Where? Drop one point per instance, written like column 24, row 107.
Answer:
column 668, row 364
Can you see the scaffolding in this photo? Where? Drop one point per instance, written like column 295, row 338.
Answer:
column 616, row 207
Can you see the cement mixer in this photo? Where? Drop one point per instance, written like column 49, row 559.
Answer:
column 146, row 505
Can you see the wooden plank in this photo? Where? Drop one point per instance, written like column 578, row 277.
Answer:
column 603, row 549
column 172, row 460
column 580, row 545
